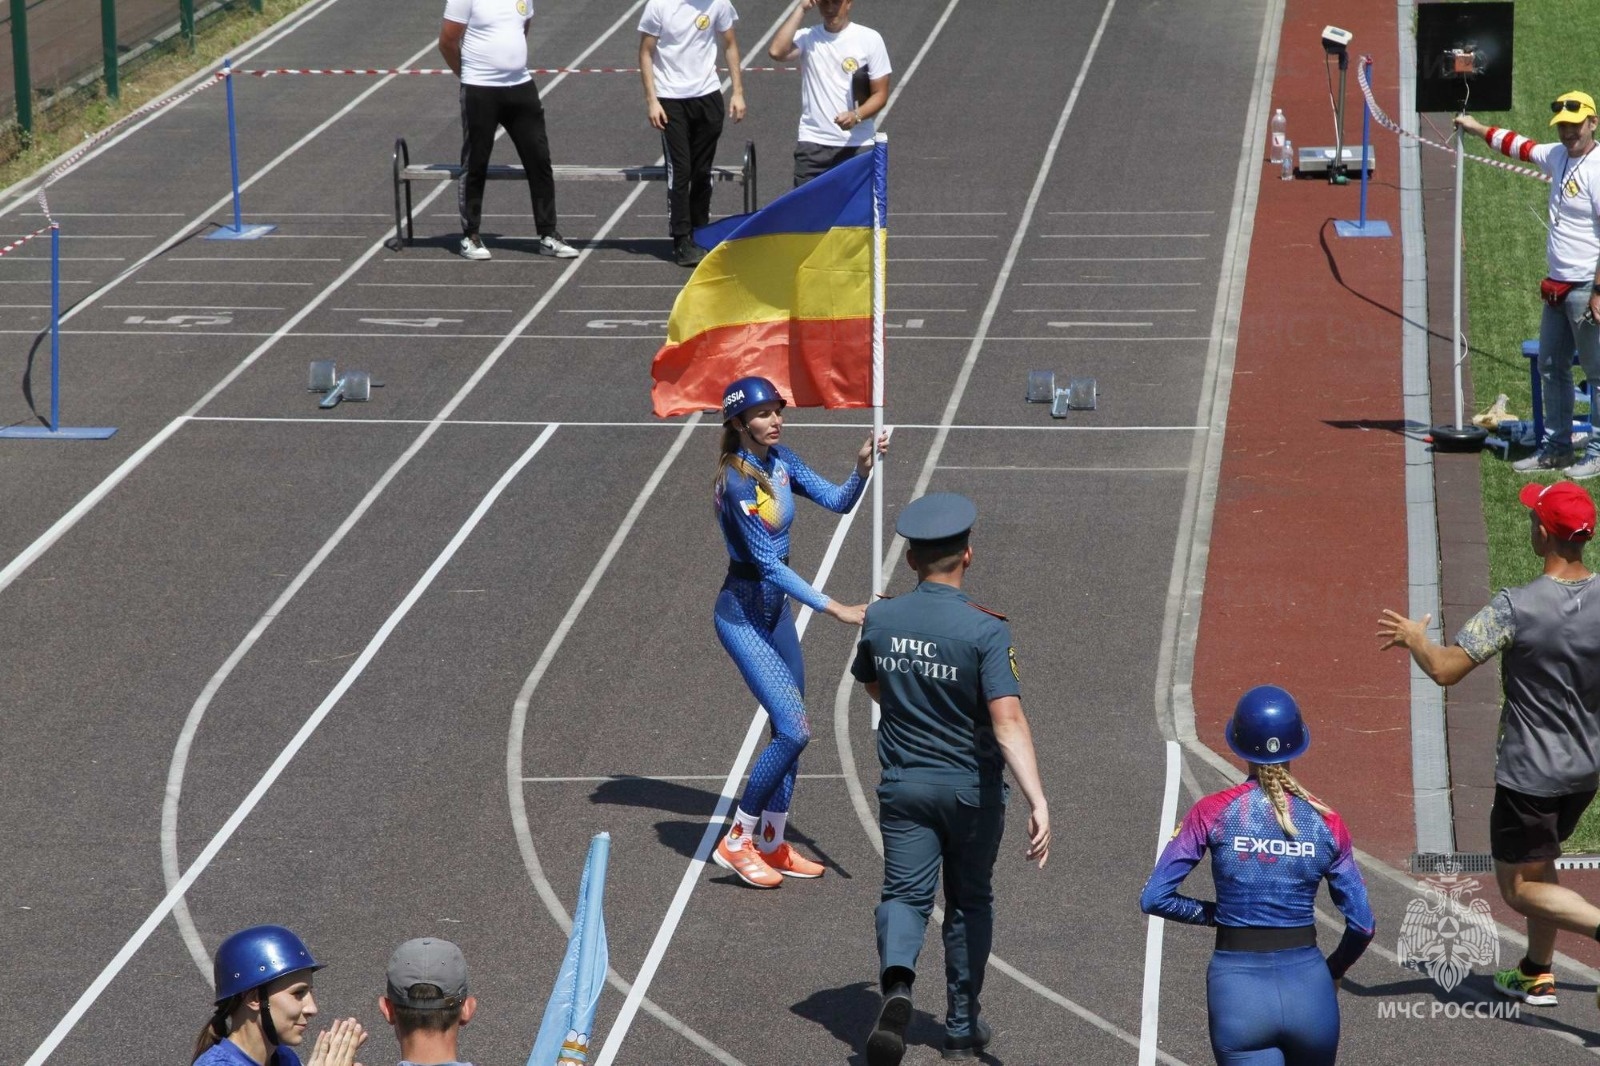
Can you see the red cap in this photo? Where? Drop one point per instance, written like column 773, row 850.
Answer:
column 1564, row 509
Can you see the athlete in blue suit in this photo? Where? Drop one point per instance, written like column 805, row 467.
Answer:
column 756, row 485
column 1270, row 995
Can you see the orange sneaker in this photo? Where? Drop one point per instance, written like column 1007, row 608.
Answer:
column 747, row 863
column 790, row 863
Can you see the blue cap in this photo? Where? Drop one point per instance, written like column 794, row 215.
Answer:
column 936, row 516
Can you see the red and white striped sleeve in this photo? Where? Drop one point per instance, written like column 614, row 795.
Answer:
column 1510, row 142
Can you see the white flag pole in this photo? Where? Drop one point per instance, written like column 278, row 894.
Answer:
column 880, row 219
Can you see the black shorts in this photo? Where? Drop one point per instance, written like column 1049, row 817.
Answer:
column 1524, row 828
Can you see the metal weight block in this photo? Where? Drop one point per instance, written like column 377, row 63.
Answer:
column 358, row 386
column 322, row 377
column 1082, row 394
column 1041, row 386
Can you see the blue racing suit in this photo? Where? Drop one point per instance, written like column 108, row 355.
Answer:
column 1265, row 1004
column 752, row 613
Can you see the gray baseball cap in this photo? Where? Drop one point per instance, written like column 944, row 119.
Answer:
column 427, row 961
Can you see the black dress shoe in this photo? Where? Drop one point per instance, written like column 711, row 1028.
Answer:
column 687, row 252
column 969, row 1047
column 887, row 1044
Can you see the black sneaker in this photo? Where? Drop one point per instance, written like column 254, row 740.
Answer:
column 687, row 252
column 887, row 1044
column 969, row 1047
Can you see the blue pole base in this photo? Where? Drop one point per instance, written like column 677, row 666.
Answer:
column 1350, row 227
column 64, row 433
column 251, row 232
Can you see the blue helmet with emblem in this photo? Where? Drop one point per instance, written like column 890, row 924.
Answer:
column 1266, row 727
column 746, row 393
column 256, row 956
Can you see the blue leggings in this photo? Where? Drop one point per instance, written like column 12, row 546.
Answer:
column 755, row 626
column 1272, row 1008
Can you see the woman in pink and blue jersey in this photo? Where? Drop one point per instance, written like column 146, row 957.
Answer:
column 757, row 481
column 1270, row 994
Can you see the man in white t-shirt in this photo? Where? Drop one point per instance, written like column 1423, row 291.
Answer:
column 1572, row 290
column 683, row 97
column 844, row 81
column 486, row 43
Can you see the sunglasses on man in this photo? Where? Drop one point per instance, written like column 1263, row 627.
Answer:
column 1566, row 105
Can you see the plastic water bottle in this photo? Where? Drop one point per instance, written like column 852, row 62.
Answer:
column 1288, row 160
column 1280, row 135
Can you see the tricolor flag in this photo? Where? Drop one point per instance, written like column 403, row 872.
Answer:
column 569, row 1017
column 787, row 293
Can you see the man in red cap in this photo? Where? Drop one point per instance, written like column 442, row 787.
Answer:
column 1547, row 633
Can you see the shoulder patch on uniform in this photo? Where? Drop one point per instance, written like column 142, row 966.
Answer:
column 1011, row 654
column 986, row 610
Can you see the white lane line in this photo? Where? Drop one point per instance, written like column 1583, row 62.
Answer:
column 854, row 427
column 250, row 258
column 518, row 725
column 1104, row 325
column 242, row 811
column 311, row 236
column 196, row 283
column 937, row 259
column 427, row 310
column 930, row 463
column 68, row 258
column 664, row 777
column 108, row 236
column 463, row 285
column 187, row 307
column 1123, row 236
column 107, row 214
column 1150, row 1012
column 896, row 235
column 714, row 823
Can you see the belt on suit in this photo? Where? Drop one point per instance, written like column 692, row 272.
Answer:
column 748, row 571
column 1264, row 938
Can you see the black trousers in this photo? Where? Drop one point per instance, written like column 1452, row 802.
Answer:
column 517, row 108
column 814, row 160
column 689, row 144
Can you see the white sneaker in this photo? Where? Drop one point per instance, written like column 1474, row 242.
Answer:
column 1587, row 467
column 552, row 244
column 1546, row 458
column 472, row 248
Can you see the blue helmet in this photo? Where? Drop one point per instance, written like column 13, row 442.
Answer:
column 252, row 957
column 1266, row 727
column 746, row 393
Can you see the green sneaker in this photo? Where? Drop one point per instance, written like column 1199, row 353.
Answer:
column 1534, row 991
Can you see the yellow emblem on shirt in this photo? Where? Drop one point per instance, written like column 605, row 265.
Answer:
column 763, row 507
column 522, row 8
column 849, row 64
column 1571, row 187
column 1011, row 653
column 702, row 22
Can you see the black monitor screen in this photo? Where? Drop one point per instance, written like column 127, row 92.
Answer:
column 1464, row 56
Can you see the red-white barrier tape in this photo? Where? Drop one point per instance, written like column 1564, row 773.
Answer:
column 95, row 138
column 19, row 242
column 1389, row 124
column 533, row 70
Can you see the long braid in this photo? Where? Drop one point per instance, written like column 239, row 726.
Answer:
column 1278, row 784
column 732, row 460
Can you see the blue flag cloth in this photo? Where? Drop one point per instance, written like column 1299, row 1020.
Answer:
column 569, row 1017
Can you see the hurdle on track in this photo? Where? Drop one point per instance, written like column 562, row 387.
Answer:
column 405, row 172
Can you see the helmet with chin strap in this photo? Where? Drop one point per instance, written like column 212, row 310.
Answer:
column 258, row 956
column 748, row 393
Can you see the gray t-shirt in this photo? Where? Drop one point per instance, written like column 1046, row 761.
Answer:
column 1548, row 633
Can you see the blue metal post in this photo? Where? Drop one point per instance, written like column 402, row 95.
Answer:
column 233, row 146
column 55, row 327
column 1366, row 141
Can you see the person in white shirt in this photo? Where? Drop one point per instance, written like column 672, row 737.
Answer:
column 683, row 98
column 486, row 43
column 844, row 81
column 1571, row 292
